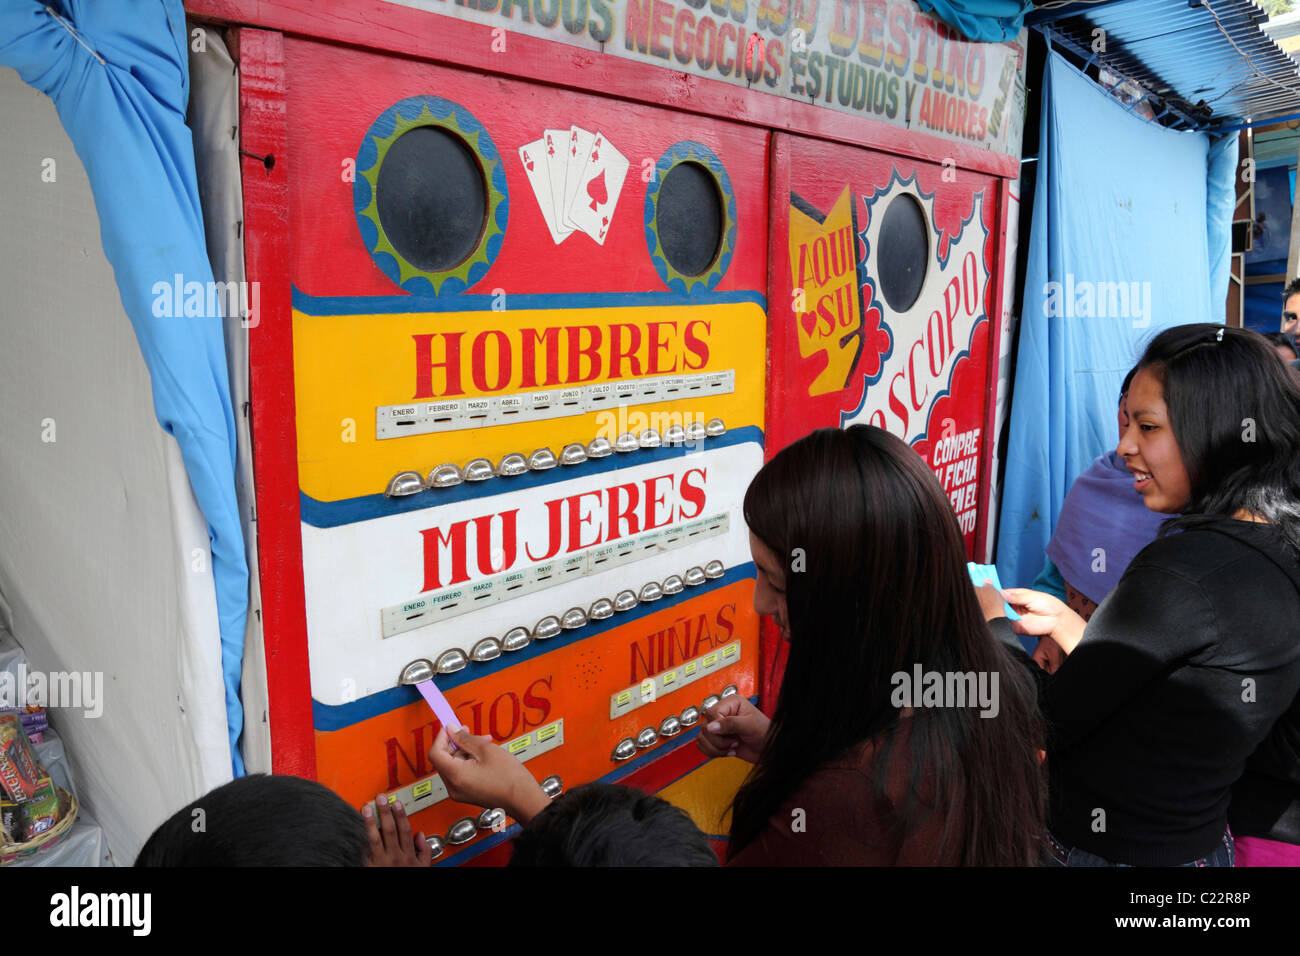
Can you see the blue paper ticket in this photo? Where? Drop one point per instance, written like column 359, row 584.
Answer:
column 981, row 574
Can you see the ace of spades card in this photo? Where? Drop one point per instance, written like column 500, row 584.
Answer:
column 591, row 207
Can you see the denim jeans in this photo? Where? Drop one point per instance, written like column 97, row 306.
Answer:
column 1057, row 853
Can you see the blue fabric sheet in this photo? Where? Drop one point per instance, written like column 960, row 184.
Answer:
column 126, row 118
column 988, row 21
column 1220, row 203
column 1118, row 200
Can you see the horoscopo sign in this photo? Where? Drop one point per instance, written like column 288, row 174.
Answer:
column 883, row 59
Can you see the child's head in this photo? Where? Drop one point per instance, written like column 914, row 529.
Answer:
column 602, row 824
column 261, row 821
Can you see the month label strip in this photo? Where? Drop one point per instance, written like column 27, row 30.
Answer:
column 437, row 606
column 423, row 418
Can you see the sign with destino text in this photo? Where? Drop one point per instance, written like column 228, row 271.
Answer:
column 881, row 59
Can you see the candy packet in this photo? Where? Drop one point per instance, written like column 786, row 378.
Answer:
column 42, row 811
column 20, row 774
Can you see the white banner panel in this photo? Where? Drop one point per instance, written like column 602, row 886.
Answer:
column 360, row 578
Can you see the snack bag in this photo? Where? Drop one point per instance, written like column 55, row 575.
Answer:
column 10, row 821
column 19, row 772
column 41, row 812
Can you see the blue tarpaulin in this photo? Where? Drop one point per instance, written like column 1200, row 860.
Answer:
column 117, row 71
column 988, row 21
column 1120, row 248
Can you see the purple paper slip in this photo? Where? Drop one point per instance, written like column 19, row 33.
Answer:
column 440, row 706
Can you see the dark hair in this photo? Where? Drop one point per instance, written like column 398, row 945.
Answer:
column 1280, row 338
column 884, row 586
column 604, row 824
column 261, row 821
column 1128, row 380
column 1235, row 413
column 1292, row 288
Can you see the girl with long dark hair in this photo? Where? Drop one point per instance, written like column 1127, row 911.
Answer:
column 1186, row 666
column 860, row 561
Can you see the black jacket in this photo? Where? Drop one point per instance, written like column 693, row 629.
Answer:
column 1182, row 673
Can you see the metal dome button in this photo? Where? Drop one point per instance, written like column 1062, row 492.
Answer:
column 417, row 672
column 405, row 483
column 480, row 469
column 462, row 831
column 512, row 464
column 546, row 628
column 516, row 639
column 445, row 476
column 574, row 454
column 437, row 845
column 574, row 617
column 493, row 818
column 601, row 608
column 646, row 739
column 625, row 749
column 451, row 660
column 541, row 460
column 488, row 649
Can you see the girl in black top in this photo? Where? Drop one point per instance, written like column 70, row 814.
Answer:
column 1186, row 666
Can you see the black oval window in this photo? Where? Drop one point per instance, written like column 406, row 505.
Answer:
column 431, row 198
column 688, row 218
column 904, row 251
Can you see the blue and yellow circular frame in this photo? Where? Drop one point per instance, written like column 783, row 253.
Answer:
column 689, row 151
column 401, row 117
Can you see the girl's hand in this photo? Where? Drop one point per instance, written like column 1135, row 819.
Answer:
column 1048, row 655
column 483, row 774
column 1042, row 615
column 990, row 602
column 733, row 727
column 389, row 832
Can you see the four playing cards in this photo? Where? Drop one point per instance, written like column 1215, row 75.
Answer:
column 577, row 177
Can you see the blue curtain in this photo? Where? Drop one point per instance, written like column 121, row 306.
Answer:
column 1220, row 201
column 118, row 73
column 1120, row 248
column 988, row 21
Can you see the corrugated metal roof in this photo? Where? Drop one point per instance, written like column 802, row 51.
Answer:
column 1207, row 62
